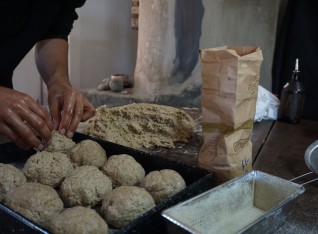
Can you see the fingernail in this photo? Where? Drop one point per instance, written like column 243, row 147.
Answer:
column 62, row 131
column 49, row 142
column 40, row 147
column 70, row 134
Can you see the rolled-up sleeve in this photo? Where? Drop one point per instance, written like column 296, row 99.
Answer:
column 62, row 24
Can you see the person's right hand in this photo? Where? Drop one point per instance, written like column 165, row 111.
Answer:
column 23, row 120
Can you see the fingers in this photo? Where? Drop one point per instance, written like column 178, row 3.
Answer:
column 42, row 126
column 83, row 110
column 14, row 137
column 55, row 109
column 40, row 120
column 21, row 133
column 69, row 107
column 89, row 110
column 27, row 110
column 76, row 118
column 23, row 120
column 68, row 113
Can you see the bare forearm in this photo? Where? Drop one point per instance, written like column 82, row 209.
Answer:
column 51, row 57
column 68, row 106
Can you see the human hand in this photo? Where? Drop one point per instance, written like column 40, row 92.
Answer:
column 22, row 119
column 68, row 107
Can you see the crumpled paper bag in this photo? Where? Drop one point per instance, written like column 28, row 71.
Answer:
column 230, row 78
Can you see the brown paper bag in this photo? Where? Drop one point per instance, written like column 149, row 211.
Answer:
column 230, row 78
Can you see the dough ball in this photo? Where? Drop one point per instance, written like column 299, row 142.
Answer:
column 48, row 168
column 37, row 202
column 88, row 152
column 86, row 186
column 78, row 220
column 124, row 204
column 123, row 169
column 10, row 178
column 163, row 184
column 60, row 143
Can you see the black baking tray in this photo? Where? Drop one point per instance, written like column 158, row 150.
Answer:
column 198, row 181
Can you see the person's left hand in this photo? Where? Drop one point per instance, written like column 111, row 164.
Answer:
column 68, row 107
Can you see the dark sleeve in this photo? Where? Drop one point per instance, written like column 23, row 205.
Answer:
column 62, row 24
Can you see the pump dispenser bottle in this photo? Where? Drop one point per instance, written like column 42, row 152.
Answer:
column 292, row 99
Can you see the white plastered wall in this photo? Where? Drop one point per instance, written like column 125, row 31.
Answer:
column 101, row 43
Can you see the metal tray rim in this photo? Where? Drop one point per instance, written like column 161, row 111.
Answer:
column 252, row 173
column 202, row 181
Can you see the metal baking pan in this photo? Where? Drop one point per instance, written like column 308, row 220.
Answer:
column 253, row 203
column 197, row 180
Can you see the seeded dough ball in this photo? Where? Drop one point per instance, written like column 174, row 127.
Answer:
column 86, row 186
column 10, row 178
column 60, row 143
column 78, row 220
column 48, row 168
column 124, row 204
column 163, row 184
column 123, row 169
column 35, row 201
column 88, row 152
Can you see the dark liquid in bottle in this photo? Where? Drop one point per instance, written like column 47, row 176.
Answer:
column 292, row 99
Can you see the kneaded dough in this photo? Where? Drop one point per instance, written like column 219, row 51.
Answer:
column 49, row 168
column 35, row 201
column 60, row 143
column 88, row 152
column 78, row 220
column 123, row 169
column 163, row 184
column 85, row 186
column 141, row 125
column 10, row 178
column 124, row 204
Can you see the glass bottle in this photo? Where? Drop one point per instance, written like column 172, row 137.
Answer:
column 292, row 99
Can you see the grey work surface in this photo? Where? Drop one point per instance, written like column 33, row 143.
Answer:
column 283, row 155
column 188, row 152
column 278, row 149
